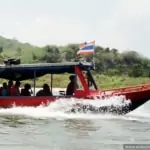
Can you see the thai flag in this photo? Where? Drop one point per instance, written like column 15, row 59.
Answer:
column 87, row 48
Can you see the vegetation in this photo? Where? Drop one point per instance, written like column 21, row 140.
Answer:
column 112, row 67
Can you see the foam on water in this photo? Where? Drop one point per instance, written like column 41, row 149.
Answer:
column 58, row 110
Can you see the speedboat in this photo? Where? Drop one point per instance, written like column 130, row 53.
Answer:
column 87, row 89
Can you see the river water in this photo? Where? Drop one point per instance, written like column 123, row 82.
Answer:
column 51, row 128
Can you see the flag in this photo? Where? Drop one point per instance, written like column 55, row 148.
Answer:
column 86, row 48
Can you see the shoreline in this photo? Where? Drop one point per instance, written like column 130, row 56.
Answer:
column 103, row 81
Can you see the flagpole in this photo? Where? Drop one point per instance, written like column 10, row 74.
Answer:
column 94, row 55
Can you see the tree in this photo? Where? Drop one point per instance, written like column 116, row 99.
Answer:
column 115, row 51
column 1, row 49
column 52, row 54
column 34, row 57
column 107, row 50
column 136, row 71
column 19, row 50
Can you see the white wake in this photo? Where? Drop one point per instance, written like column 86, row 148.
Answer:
column 59, row 108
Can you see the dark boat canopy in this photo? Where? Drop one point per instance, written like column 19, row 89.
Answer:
column 27, row 71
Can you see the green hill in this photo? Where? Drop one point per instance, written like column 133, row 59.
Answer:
column 107, row 61
column 14, row 48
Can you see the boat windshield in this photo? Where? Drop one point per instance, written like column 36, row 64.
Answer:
column 89, row 80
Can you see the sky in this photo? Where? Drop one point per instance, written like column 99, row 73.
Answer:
column 120, row 24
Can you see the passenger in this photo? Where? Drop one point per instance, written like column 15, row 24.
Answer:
column 71, row 86
column 45, row 91
column 15, row 89
column 1, row 90
column 25, row 91
column 10, row 84
column 4, row 91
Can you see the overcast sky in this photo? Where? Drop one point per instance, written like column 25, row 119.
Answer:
column 121, row 24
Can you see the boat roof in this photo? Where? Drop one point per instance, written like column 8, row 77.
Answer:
column 26, row 71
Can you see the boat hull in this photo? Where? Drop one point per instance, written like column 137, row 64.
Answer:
column 7, row 102
column 137, row 98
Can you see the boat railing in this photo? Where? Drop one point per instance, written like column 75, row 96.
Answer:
column 128, row 89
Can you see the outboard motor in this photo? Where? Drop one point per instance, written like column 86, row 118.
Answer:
column 12, row 61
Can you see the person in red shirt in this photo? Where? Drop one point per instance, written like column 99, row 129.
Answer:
column 14, row 91
column 10, row 83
